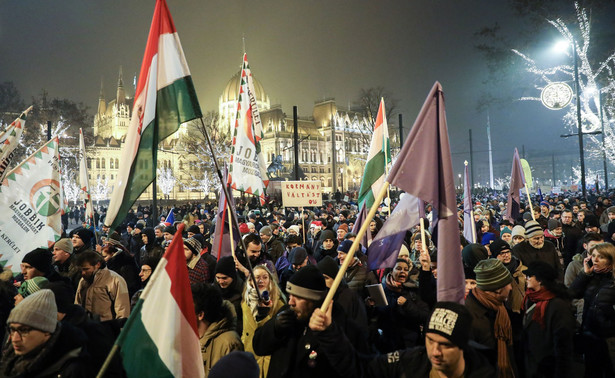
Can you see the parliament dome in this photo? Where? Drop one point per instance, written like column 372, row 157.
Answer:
column 232, row 89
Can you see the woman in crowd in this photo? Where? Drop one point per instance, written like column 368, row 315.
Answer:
column 596, row 286
column 257, row 312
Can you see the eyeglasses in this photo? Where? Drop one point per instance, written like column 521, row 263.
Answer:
column 21, row 331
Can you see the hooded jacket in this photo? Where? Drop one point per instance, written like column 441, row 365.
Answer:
column 220, row 338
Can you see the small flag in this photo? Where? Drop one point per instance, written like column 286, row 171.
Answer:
column 424, row 169
column 170, row 218
column 9, row 140
column 517, row 182
column 247, row 170
column 160, row 338
column 164, row 99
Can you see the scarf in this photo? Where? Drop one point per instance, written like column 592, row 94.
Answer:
column 541, row 298
column 251, row 298
column 606, row 269
column 501, row 329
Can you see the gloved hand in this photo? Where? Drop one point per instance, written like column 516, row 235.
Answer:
column 284, row 322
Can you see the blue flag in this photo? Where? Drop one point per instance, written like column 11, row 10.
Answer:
column 171, row 217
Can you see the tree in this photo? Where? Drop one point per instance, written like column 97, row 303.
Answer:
column 166, row 180
column 367, row 104
column 11, row 103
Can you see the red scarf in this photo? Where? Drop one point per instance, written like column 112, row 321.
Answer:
column 541, row 298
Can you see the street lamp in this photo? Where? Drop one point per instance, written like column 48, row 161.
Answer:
column 460, row 186
column 563, row 46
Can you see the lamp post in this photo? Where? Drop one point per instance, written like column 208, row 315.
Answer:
column 579, row 120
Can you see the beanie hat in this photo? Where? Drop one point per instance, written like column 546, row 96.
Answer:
column 505, row 230
column 532, row 228
column 38, row 311
column 238, row 364
column 518, row 231
column 32, row 286
column 491, row 275
column 171, row 230
column 226, row 266
column 84, row 234
column 151, row 261
column 488, row 237
column 552, row 224
column 541, row 270
column 194, row 229
column 328, row 266
column 343, row 226
column 498, row 246
column 452, row 321
column 193, row 245
column 544, row 203
column 40, row 259
column 316, row 224
column 297, row 255
column 244, row 229
column 345, row 246
column 591, row 221
column 611, row 210
column 63, row 294
column 327, row 234
column 527, row 216
column 140, row 226
column 266, row 230
column 307, row 283
column 65, row 244
column 295, row 228
column 114, row 238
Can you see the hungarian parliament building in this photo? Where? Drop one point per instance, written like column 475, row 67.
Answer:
column 188, row 176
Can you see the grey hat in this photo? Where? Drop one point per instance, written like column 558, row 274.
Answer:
column 266, row 230
column 65, row 244
column 518, row 231
column 37, row 310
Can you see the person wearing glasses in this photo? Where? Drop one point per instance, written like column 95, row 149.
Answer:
column 535, row 248
column 37, row 345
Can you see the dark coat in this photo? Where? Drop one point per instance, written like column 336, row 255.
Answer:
column 548, row 254
column 415, row 362
column 123, row 264
column 305, row 353
column 548, row 350
column 598, row 292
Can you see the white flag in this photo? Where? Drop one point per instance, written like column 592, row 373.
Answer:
column 31, row 206
column 9, row 140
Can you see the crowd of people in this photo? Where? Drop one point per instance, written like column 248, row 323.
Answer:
column 539, row 299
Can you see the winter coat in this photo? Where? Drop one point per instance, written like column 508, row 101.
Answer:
column 275, row 248
column 220, row 338
column 198, row 271
column 63, row 355
column 250, row 325
column 528, row 254
column 357, row 276
column 320, row 253
column 302, row 352
column 414, row 362
column 107, row 296
column 548, row 350
column 69, row 270
column 598, row 293
column 515, row 300
column 123, row 264
column 233, row 295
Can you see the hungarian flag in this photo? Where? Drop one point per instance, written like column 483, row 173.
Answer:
column 160, row 338
column 84, row 182
column 31, row 205
column 9, row 139
column 247, row 171
column 164, row 99
column 377, row 159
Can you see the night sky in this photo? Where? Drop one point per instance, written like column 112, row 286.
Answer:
column 301, row 51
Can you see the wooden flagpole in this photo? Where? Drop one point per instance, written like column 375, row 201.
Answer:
column 529, row 200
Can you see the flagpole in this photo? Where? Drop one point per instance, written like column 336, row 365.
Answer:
column 354, row 247
column 423, row 245
column 473, row 226
column 529, row 200
column 230, row 230
column 233, row 219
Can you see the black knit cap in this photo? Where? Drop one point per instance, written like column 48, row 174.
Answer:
column 194, row 229
column 226, row 266
column 307, row 283
column 297, row 255
column 328, row 266
column 498, row 246
column 345, row 246
column 452, row 321
column 235, row 364
column 327, row 234
column 84, row 234
column 542, row 271
column 171, row 230
column 40, row 259
column 63, row 294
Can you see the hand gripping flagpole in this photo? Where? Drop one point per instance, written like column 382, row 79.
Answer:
column 233, row 217
column 354, row 246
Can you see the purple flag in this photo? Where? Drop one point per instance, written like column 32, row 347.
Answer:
column 424, row 169
column 367, row 237
column 468, row 221
column 385, row 247
column 517, row 182
column 221, row 241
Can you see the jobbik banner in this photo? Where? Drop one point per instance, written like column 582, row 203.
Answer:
column 31, row 206
column 301, row 193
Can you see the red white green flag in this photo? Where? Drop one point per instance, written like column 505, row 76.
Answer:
column 84, row 182
column 31, row 204
column 9, row 140
column 247, row 169
column 164, row 99
column 160, row 338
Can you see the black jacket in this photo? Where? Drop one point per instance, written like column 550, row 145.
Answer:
column 598, row 292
